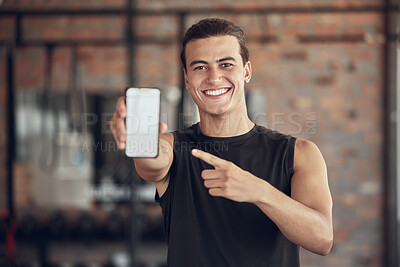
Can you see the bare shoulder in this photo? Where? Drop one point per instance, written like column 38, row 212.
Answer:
column 310, row 179
column 307, row 154
column 305, row 146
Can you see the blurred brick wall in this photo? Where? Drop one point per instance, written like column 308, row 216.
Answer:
column 322, row 74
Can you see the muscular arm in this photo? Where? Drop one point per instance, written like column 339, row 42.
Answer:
column 305, row 218
column 154, row 170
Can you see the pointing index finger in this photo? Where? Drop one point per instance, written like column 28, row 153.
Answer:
column 208, row 158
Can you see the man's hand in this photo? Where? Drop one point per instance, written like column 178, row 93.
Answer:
column 228, row 180
column 117, row 124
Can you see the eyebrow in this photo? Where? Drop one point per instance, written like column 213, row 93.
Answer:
column 205, row 62
column 198, row 62
column 226, row 59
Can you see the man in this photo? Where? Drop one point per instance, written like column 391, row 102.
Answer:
column 233, row 193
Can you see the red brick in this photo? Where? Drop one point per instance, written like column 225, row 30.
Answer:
column 22, row 183
column 30, row 68
column 73, row 28
column 102, row 68
column 158, row 66
column 333, row 24
column 251, row 4
column 61, row 78
column 253, row 25
column 294, row 55
column 157, row 27
column 7, row 28
column 62, row 4
column 324, row 80
column 341, row 236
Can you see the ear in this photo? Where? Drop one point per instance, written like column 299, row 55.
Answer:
column 247, row 72
column 186, row 79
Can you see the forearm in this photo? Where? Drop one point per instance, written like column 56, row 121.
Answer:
column 300, row 224
column 155, row 169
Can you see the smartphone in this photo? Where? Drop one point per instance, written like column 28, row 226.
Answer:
column 142, row 122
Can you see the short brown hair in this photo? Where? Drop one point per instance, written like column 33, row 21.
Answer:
column 215, row 27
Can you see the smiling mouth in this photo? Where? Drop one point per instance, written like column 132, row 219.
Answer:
column 216, row 92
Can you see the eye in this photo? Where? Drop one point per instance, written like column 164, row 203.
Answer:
column 200, row 68
column 226, row 65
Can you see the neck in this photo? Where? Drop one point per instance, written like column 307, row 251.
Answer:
column 225, row 125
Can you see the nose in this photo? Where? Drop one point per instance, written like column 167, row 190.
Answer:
column 214, row 75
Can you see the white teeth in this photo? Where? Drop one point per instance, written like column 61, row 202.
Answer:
column 216, row 92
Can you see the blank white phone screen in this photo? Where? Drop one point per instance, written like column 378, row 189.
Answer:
column 143, row 111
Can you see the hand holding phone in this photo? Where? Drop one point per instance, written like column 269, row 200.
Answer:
column 142, row 122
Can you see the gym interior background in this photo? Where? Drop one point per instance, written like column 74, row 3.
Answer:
column 323, row 70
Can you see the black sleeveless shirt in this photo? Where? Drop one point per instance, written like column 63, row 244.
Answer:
column 203, row 230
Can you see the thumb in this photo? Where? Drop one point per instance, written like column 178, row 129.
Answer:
column 163, row 127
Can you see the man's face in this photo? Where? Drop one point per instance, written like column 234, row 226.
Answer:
column 215, row 74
